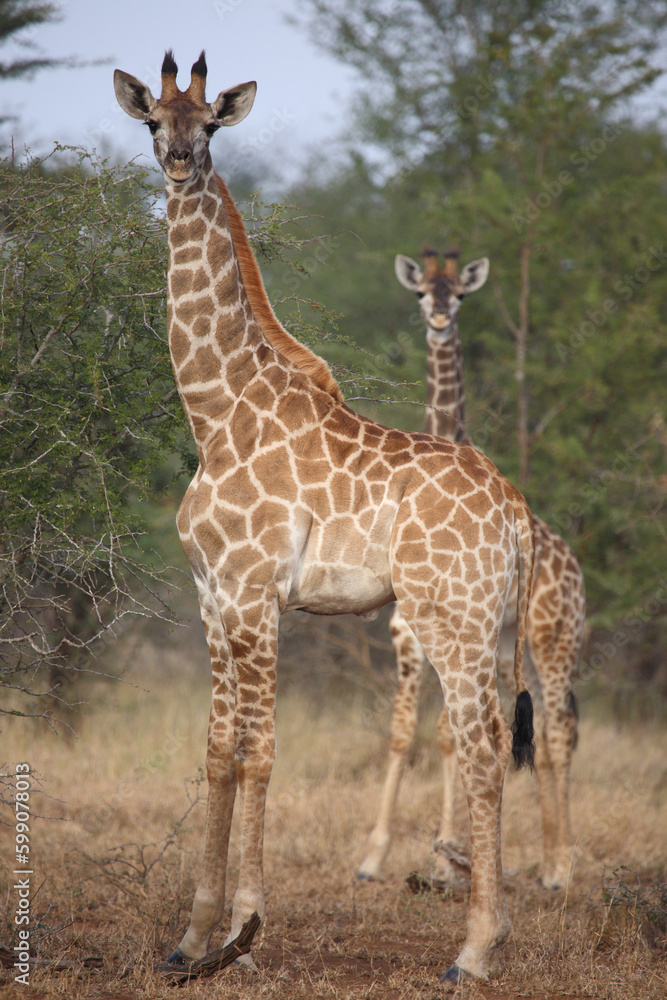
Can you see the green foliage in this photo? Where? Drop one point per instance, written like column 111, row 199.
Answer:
column 91, row 426
column 88, row 408
column 475, row 75
column 497, row 127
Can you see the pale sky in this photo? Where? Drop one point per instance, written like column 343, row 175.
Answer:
column 302, row 100
column 301, row 92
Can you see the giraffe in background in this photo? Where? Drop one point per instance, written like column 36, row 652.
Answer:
column 555, row 616
column 299, row 502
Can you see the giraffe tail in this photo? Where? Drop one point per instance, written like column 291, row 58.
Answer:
column 523, row 743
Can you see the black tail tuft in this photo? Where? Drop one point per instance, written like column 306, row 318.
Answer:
column 523, row 745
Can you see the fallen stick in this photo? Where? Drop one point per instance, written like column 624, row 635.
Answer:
column 180, row 972
column 216, row 960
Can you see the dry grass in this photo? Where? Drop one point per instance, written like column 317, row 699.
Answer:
column 115, row 871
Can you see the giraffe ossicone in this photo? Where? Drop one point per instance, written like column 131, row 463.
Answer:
column 556, row 614
column 299, row 502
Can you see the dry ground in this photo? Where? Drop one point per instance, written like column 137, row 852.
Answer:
column 115, row 870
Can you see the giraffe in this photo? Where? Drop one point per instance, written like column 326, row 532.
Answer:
column 299, row 502
column 555, row 616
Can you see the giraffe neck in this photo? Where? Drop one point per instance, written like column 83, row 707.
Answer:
column 445, row 387
column 222, row 329
column 213, row 336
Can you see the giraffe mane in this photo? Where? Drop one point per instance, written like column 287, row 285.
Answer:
column 273, row 330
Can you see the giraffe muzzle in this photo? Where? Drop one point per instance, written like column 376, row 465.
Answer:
column 179, row 164
column 439, row 322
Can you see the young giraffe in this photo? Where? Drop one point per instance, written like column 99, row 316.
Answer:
column 555, row 615
column 299, row 502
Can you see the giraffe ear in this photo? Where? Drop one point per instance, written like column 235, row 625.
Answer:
column 133, row 96
column 231, row 106
column 408, row 272
column 474, row 275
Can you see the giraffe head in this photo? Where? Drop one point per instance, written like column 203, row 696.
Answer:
column 181, row 122
column 441, row 289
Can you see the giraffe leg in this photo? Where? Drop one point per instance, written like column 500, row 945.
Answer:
column 544, row 770
column 410, row 662
column 560, row 740
column 483, row 742
column 441, row 866
column 209, row 901
column 254, row 749
column 554, row 652
column 241, row 751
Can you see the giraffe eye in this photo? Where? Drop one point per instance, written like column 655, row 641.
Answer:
column 461, row 297
column 152, row 126
column 420, row 295
column 211, row 129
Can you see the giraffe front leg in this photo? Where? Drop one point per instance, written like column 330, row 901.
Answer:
column 209, row 901
column 409, row 662
column 254, row 643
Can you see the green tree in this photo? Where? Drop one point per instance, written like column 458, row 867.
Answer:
column 91, row 426
column 504, row 128
column 87, row 405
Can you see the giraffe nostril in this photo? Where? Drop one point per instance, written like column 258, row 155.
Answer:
column 182, row 155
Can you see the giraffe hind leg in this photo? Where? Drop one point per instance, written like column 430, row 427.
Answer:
column 555, row 660
column 561, row 734
column 483, row 744
column 409, row 661
column 449, row 864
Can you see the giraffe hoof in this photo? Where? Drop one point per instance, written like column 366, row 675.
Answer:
column 177, row 964
column 177, row 958
column 553, row 884
column 246, row 962
column 455, row 974
column 365, row 877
